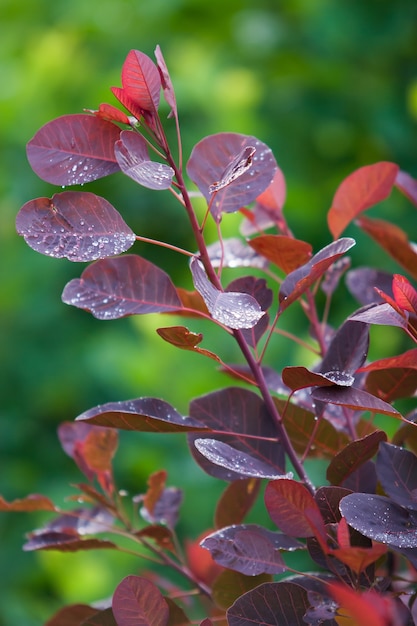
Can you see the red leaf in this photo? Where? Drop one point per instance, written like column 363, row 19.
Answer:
column 285, row 252
column 299, row 377
column 405, row 360
column 404, row 293
column 73, row 615
column 392, row 383
column 121, row 286
column 110, row 113
column 236, row 501
column 200, row 561
column 74, row 149
column 362, row 189
column 365, row 609
column 34, row 502
column 128, row 103
column 77, row 225
column 141, row 80
column 293, row 509
column 183, row 338
column 132, row 156
column 353, row 456
column 138, row 602
column 214, row 154
column 296, row 283
column 273, row 197
column 393, row 240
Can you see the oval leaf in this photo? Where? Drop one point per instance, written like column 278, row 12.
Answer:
column 77, row 225
column 365, row 187
column 356, row 399
column 132, row 156
column 141, row 80
column 74, row 149
column 397, row 472
column 121, row 286
column 141, row 414
column 138, row 602
column 285, row 252
column 233, row 309
column 353, row 456
column 209, row 163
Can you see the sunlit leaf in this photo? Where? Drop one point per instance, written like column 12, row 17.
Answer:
column 74, row 149
column 285, row 252
column 183, row 338
column 77, row 225
column 132, row 156
column 141, row 80
column 404, row 294
column 121, row 286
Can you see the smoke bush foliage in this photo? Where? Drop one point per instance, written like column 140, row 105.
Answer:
column 360, row 529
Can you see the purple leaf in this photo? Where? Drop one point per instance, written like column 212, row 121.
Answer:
column 121, row 286
column 166, row 509
column 213, row 155
column 249, row 549
column 142, row 414
column 334, row 274
column 74, row 149
column 77, row 225
column 270, row 604
column 353, row 456
column 100, row 618
column 397, row 472
column 72, row 615
column 381, row 314
column 132, row 156
column 167, row 85
column 240, row 411
column 64, row 542
column 408, row 185
column 362, row 281
column 233, row 309
column 82, row 521
column 380, row 519
column 347, row 350
column 138, row 602
column 353, row 398
column 234, row 252
column 220, row 453
column 296, row 283
column 258, row 289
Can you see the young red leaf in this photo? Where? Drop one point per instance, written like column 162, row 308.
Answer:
column 77, row 225
column 132, row 156
column 111, row 114
column 240, row 411
column 365, row 609
column 362, row 189
column 298, row 281
column 236, row 501
column 214, row 154
column 128, row 103
column 392, row 383
column 285, row 252
column 353, row 456
column 141, row 414
column 273, row 197
column 293, row 509
column 408, row 185
column 74, row 149
column 200, row 561
column 141, row 80
column 121, row 286
column 404, row 293
column 249, row 549
column 160, row 503
column 183, row 338
column 138, row 602
column 393, row 240
column 405, row 360
column 233, row 309
column 167, row 85
column 33, row 502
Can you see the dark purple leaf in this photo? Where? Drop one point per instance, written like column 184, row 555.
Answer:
column 347, row 350
column 298, row 377
column 380, row 519
column 363, row 479
column 240, row 411
column 234, row 252
column 121, row 286
column 138, row 602
column 77, row 225
column 362, row 281
column 72, row 615
column 328, row 499
column 408, row 185
column 166, row 509
column 293, row 509
column 270, row 604
column 167, row 85
column 132, row 156
column 236, row 501
column 82, row 521
column 100, row 618
column 258, row 289
column 353, row 398
column 362, row 189
column 141, row 414
column 213, row 155
column 64, row 542
column 353, row 456
column 233, row 309
column 74, row 149
column 220, row 453
column 298, row 281
column 397, row 472
column 141, row 80
column 249, row 549
column 381, row 314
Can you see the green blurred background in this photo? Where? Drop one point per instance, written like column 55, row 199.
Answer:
column 328, row 85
